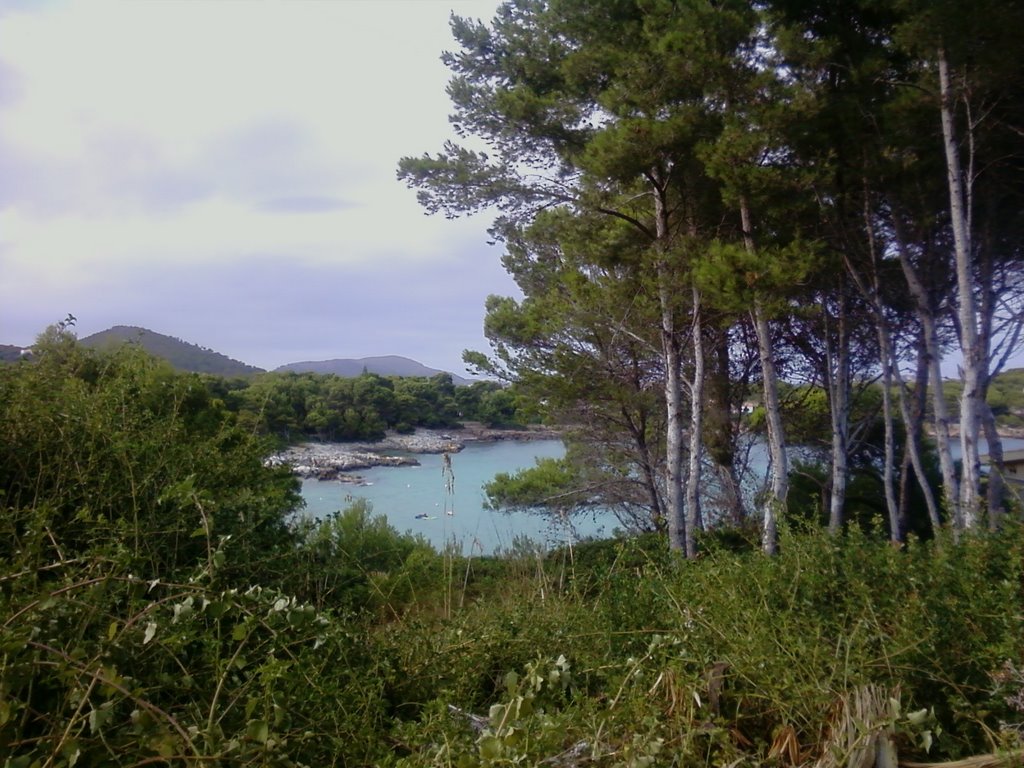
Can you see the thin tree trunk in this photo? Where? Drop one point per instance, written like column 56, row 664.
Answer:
column 897, row 524
column 693, row 484
column 775, row 500
column 873, row 296
column 897, row 532
column 838, row 370
column 673, row 376
column 931, row 350
column 974, row 357
column 719, row 441
column 988, row 300
column 912, row 424
column 732, row 497
column 897, row 520
column 674, row 427
column 996, row 468
column 647, row 466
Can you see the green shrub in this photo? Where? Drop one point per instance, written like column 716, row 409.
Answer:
column 354, row 560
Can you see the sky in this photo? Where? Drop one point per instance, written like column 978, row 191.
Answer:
column 223, row 171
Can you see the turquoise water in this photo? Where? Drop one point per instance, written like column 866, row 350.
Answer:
column 402, row 493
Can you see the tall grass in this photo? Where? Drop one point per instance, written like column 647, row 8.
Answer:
column 733, row 657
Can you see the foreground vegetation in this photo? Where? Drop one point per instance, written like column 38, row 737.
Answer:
column 161, row 603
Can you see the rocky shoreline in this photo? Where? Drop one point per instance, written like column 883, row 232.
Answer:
column 340, row 461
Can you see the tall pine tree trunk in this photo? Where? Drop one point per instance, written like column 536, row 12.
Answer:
column 672, row 360
column 838, row 380
column 897, row 530
column 988, row 301
column 673, row 430
column 897, row 523
column 778, row 488
column 974, row 357
column 693, row 484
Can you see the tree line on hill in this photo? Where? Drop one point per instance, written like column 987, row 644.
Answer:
column 304, row 406
column 183, row 355
column 700, row 201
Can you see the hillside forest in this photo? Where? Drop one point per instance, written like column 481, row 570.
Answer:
column 732, row 224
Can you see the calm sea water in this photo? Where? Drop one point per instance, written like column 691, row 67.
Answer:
column 1009, row 444
column 402, row 493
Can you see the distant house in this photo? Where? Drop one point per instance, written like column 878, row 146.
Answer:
column 1014, row 462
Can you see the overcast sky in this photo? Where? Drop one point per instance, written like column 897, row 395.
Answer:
column 223, row 171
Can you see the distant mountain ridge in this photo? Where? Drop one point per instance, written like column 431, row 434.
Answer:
column 186, row 356
column 388, row 365
column 180, row 354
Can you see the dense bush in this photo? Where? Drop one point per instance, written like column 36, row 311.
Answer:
column 117, row 454
column 142, row 542
column 356, row 561
column 160, row 603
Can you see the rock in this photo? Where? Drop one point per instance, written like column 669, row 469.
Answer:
column 333, row 461
column 330, row 461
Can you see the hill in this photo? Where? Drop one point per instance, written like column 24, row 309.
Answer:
column 389, row 365
column 1005, row 396
column 10, row 353
column 181, row 354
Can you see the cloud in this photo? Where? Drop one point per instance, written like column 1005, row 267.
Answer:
column 11, row 87
column 304, row 204
column 268, row 310
column 229, row 167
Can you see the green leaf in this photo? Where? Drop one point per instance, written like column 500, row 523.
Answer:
column 490, row 747
column 99, row 717
column 150, row 632
column 164, row 745
column 72, row 751
column 258, row 730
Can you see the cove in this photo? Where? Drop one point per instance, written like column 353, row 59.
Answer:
column 402, row 493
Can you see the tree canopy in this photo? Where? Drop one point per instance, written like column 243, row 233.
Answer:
column 718, row 197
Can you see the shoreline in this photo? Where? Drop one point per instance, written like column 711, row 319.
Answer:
column 1005, row 433
column 340, row 461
